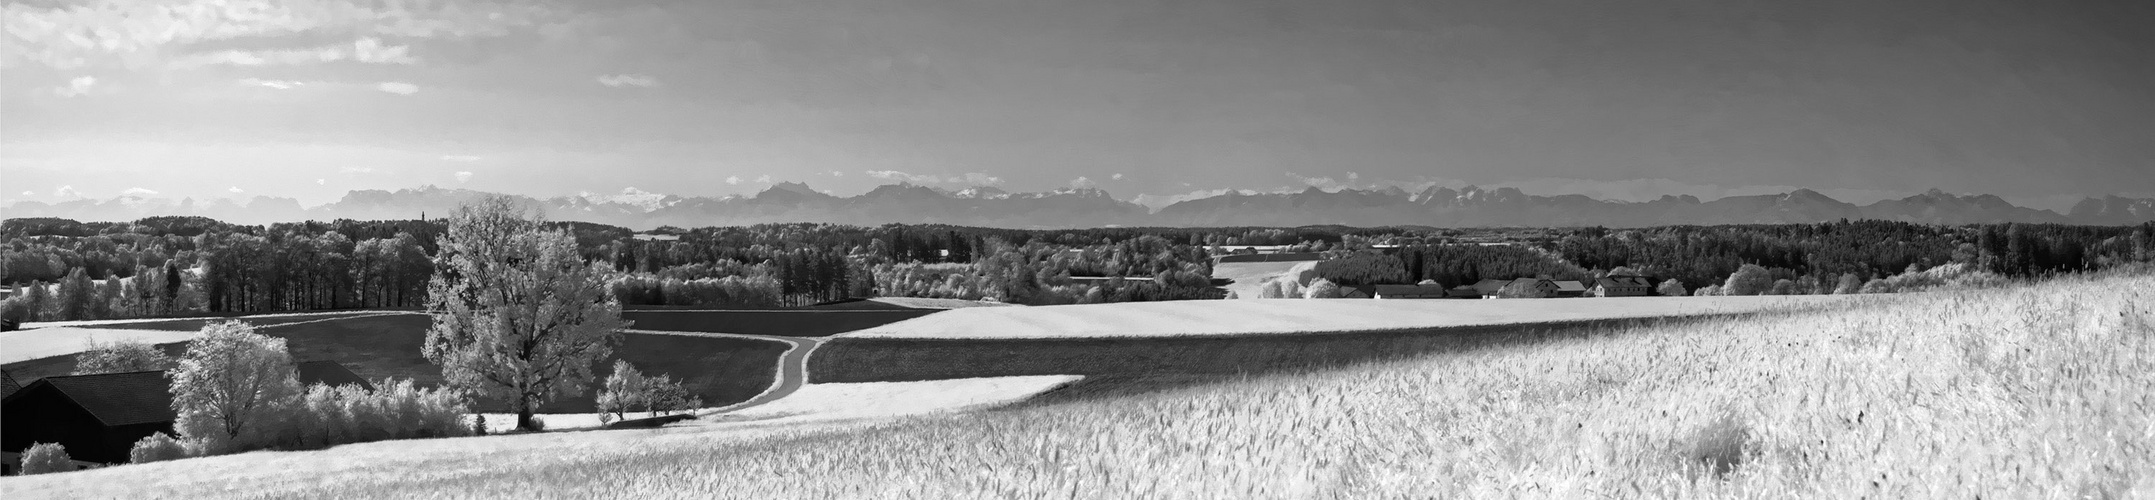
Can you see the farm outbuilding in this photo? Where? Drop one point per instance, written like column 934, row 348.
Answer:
column 8, row 385
column 1489, row 287
column 1409, row 292
column 1623, row 286
column 97, row 417
column 1569, row 288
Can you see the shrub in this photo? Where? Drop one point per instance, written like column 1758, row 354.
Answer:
column 1708, row 291
column 46, row 458
column 1783, row 287
column 156, row 447
column 397, row 409
column 1850, row 283
column 120, row 357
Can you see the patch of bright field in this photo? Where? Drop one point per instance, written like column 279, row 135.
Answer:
column 842, row 401
column 1237, row 317
column 23, row 345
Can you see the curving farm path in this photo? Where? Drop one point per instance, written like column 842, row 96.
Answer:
column 792, row 366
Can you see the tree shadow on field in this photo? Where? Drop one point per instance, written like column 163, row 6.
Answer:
column 1115, row 367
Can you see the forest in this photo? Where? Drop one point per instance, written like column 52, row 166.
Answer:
column 61, row 269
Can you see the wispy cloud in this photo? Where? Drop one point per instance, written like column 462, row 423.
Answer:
column 763, row 179
column 463, row 176
column 138, row 191
column 79, row 86
column 398, row 88
column 323, row 182
column 355, row 170
column 1117, row 176
column 236, row 190
column 1083, row 183
column 460, row 158
column 67, row 191
column 275, row 84
column 628, row 80
column 733, row 180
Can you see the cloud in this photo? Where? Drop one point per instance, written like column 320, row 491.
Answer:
column 1083, row 183
column 355, row 170
column 365, row 50
column 763, row 179
column 460, row 158
column 733, row 180
column 235, row 189
column 138, row 191
column 29, row 193
column 67, row 191
column 980, row 179
column 275, row 84
column 398, row 88
column 838, row 173
column 464, row 176
column 139, row 34
column 1115, row 177
column 76, row 87
column 628, row 80
column 323, row 182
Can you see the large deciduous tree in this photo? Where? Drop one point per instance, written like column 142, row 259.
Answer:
column 230, row 386
column 518, row 315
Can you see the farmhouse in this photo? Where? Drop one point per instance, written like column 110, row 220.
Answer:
column 97, row 417
column 1623, row 286
column 1409, row 292
column 1357, row 292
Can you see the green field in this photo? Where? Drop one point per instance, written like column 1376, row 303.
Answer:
column 2030, row 392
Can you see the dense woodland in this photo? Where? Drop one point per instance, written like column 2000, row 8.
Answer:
column 160, row 266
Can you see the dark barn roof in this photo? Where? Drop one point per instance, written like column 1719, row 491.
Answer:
column 1411, row 290
column 329, row 373
column 8, row 384
column 117, row 399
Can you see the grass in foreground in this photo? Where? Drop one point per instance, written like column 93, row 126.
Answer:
column 2031, row 392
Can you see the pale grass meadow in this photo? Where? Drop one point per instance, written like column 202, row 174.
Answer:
column 2038, row 391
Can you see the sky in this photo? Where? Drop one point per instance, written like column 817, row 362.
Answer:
column 2042, row 102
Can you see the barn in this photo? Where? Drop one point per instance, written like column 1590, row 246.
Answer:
column 97, row 417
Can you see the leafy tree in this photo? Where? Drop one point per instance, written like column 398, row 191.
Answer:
column 77, row 293
column 1850, row 283
column 1748, row 280
column 1522, row 289
column 38, row 302
column 1322, row 289
column 518, row 315
column 231, row 385
column 1672, row 288
column 120, row 357
column 1783, row 287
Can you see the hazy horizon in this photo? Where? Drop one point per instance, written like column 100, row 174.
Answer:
column 2041, row 103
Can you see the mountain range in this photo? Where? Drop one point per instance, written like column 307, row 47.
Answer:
column 1063, row 208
